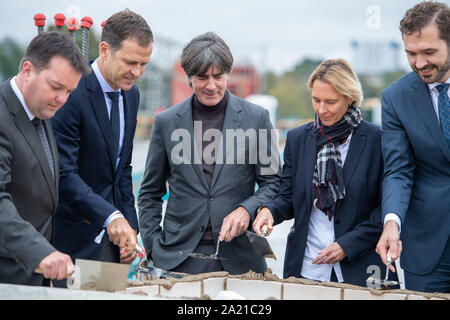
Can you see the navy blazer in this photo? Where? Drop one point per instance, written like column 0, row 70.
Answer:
column 90, row 187
column 357, row 220
column 417, row 172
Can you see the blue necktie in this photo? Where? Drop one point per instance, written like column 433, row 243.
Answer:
column 114, row 120
column 444, row 110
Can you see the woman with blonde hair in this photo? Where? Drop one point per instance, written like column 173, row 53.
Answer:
column 330, row 185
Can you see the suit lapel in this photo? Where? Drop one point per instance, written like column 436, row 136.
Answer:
column 354, row 153
column 308, row 163
column 30, row 134
column 232, row 121
column 185, row 121
column 421, row 99
column 98, row 103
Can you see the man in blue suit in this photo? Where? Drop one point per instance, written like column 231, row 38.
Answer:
column 416, row 152
column 96, row 218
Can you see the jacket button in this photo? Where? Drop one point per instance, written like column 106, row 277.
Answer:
column 211, row 199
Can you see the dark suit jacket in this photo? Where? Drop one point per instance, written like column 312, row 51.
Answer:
column 357, row 222
column 417, row 172
column 28, row 193
column 192, row 202
column 91, row 188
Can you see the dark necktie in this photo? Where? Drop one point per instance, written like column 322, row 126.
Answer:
column 444, row 110
column 114, row 119
column 41, row 132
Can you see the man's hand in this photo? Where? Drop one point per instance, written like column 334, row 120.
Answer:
column 127, row 257
column 234, row 224
column 330, row 255
column 389, row 242
column 122, row 235
column 263, row 218
column 57, row 266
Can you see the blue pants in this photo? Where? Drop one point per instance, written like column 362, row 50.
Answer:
column 437, row 280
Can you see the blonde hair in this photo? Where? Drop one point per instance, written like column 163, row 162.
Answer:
column 339, row 74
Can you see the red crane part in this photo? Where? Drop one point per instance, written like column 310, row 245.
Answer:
column 60, row 20
column 72, row 24
column 103, row 23
column 86, row 22
column 39, row 20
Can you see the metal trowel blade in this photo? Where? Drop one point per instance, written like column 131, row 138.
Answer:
column 145, row 268
column 261, row 245
column 198, row 255
column 374, row 283
column 99, row 276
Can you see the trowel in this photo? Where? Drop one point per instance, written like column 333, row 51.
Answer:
column 97, row 276
column 372, row 282
column 197, row 255
column 145, row 269
column 260, row 244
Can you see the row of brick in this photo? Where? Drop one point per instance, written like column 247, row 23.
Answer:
column 261, row 290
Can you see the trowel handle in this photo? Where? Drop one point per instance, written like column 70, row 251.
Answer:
column 73, row 282
column 265, row 230
column 39, row 271
column 139, row 250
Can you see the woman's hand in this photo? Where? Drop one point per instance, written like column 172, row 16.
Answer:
column 330, row 255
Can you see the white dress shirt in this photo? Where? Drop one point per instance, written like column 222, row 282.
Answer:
column 21, row 98
column 107, row 88
column 321, row 235
column 434, row 92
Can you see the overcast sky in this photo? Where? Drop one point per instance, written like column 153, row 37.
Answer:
column 274, row 35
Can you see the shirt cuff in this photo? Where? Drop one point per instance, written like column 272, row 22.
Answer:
column 113, row 216
column 396, row 218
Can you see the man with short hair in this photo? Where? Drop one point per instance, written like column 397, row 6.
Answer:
column 208, row 149
column 29, row 172
column 416, row 152
column 96, row 218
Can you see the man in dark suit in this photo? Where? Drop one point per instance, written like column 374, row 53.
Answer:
column 416, row 152
column 29, row 172
column 211, row 180
column 94, row 131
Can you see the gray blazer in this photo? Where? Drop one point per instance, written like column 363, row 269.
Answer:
column 28, row 193
column 191, row 201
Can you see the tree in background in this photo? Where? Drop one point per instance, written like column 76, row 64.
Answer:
column 290, row 89
column 294, row 96
column 11, row 53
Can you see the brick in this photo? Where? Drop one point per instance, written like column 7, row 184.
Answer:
column 255, row 289
column 351, row 294
column 150, row 291
column 294, row 291
column 212, row 287
column 183, row 290
column 415, row 297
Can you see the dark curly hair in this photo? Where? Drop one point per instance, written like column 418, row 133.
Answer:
column 424, row 13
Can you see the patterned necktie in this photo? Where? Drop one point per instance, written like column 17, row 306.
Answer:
column 444, row 110
column 41, row 132
column 114, row 119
